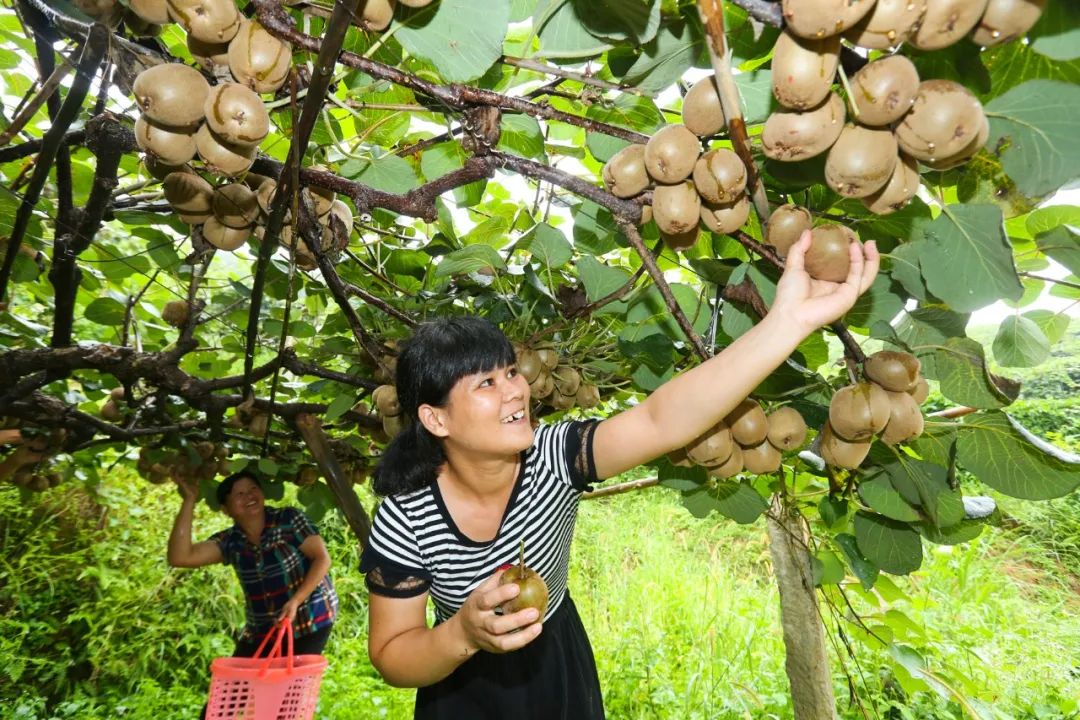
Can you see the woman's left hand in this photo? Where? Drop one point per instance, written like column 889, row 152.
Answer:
column 289, row 611
column 812, row 303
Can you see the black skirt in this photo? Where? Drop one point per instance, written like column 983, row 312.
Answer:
column 553, row 678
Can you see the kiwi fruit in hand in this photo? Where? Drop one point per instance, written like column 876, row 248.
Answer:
column 533, row 590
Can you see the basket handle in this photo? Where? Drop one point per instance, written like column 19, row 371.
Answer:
column 283, row 628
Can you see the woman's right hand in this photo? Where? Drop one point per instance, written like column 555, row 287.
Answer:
column 188, row 489
column 485, row 630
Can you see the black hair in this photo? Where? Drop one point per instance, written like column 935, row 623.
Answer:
column 225, row 487
column 438, row 354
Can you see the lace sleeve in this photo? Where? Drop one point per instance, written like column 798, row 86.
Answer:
column 389, row 579
column 579, row 454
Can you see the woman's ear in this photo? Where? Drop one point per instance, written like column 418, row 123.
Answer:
column 433, row 419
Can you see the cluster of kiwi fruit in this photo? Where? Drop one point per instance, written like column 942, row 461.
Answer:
column 556, row 383
column 26, row 466
column 885, row 405
column 385, row 400
column 110, row 409
column 247, row 417
column 828, row 257
column 197, row 461
column 745, row 440
column 691, row 188
column 896, row 120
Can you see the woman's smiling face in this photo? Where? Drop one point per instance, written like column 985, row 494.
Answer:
column 489, row 412
column 246, row 499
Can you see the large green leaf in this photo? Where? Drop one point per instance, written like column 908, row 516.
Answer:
column 388, row 172
column 1039, row 123
column 1020, row 342
column 462, row 38
column 1057, row 33
column 664, row 60
column 1061, row 244
column 634, row 112
column 967, row 261
column 548, row 245
column 925, row 328
column 884, row 499
column 105, row 311
column 521, row 135
column 960, row 367
column 755, row 89
column 594, row 228
column 927, row 485
column 882, row 302
column 731, row 498
column 892, row 546
column 600, row 279
column 470, row 259
column 1003, row 454
column 634, row 21
column 1053, row 324
column 864, row 569
column 445, row 158
column 563, row 33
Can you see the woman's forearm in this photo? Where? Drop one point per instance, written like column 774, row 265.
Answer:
column 443, row 649
column 180, row 544
column 320, row 566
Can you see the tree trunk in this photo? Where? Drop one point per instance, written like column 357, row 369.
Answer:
column 807, row 661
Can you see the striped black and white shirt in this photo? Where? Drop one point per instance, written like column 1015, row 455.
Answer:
column 415, row 546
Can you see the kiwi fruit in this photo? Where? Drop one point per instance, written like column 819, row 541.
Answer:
column 165, row 144
column 221, row 157
column 977, row 142
column 188, row 193
column 945, row 22
column 728, row 468
column 720, row 176
column 209, row 56
column 884, row 90
column 392, row 425
column 921, row 391
column 761, row 458
column 549, row 357
column 543, row 386
column 822, row 18
column 670, row 155
column 212, row 21
column 559, row 401
column 171, row 95
column 681, row 241
column 676, row 208
column 712, row 446
column 340, row 210
column 888, row 24
column 235, row 205
column 159, row 170
column 861, row 161
column 151, row 11
column 803, row 70
column 236, row 114
column 529, row 365
column 385, row 398
column 726, row 218
column 679, row 458
column 898, row 192
column 175, row 313
column 794, row 136
column 858, row 412
column 748, row 423
column 107, row 12
column 829, row 257
column 906, row 421
column 838, row 452
column 532, row 590
column 587, row 396
column 306, row 475
column 321, row 198
column 785, row 226
column 374, row 15
column 258, row 59
column 943, row 121
column 222, row 236
column 1006, row 20
column 265, row 194
column 702, row 113
column 895, row 371
column 567, row 380
column 787, row 429
column 624, row 174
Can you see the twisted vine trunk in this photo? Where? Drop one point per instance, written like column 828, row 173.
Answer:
column 807, row 660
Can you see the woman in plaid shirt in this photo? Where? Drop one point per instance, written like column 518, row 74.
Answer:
column 278, row 556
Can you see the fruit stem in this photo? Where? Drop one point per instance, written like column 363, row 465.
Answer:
column 521, row 558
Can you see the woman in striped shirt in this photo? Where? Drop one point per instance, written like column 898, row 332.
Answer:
column 469, row 479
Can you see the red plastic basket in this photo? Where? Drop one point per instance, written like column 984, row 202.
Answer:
column 276, row 687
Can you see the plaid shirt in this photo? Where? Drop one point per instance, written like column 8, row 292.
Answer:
column 272, row 571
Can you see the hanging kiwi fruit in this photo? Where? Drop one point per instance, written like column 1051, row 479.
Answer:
column 532, row 590
column 670, row 155
column 624, row 174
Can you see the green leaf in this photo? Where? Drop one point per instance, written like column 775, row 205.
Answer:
column 461, row 38
column 1003, row 454
column 1020, row 342
column 892, row 546
column 962, row 532
column 925, row 327
column 832, row 509
column 338, row 407
column 1063, row 245
column 664, row 60
column 562, row 32
column 864, row 569
column 1038, row 120
column 1057, row 33
column 827, row 568
column 967, row 260
column 960, row 367
column 926, row 485
column 105, row 311
column 651, row 308
column 1051, row 218
column 492, row 231
column 389, row 172
column 521, row 135
column 755, row 89
column 883, row 499
column 469, row 260
column 600, row 279
column 1053, row 324
column 733, row 499
column 882, row 302
column 633, row 112
column 594, row 228
column 683, row 479
column 547, row 245
column 634, row 21
column 268, row 467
